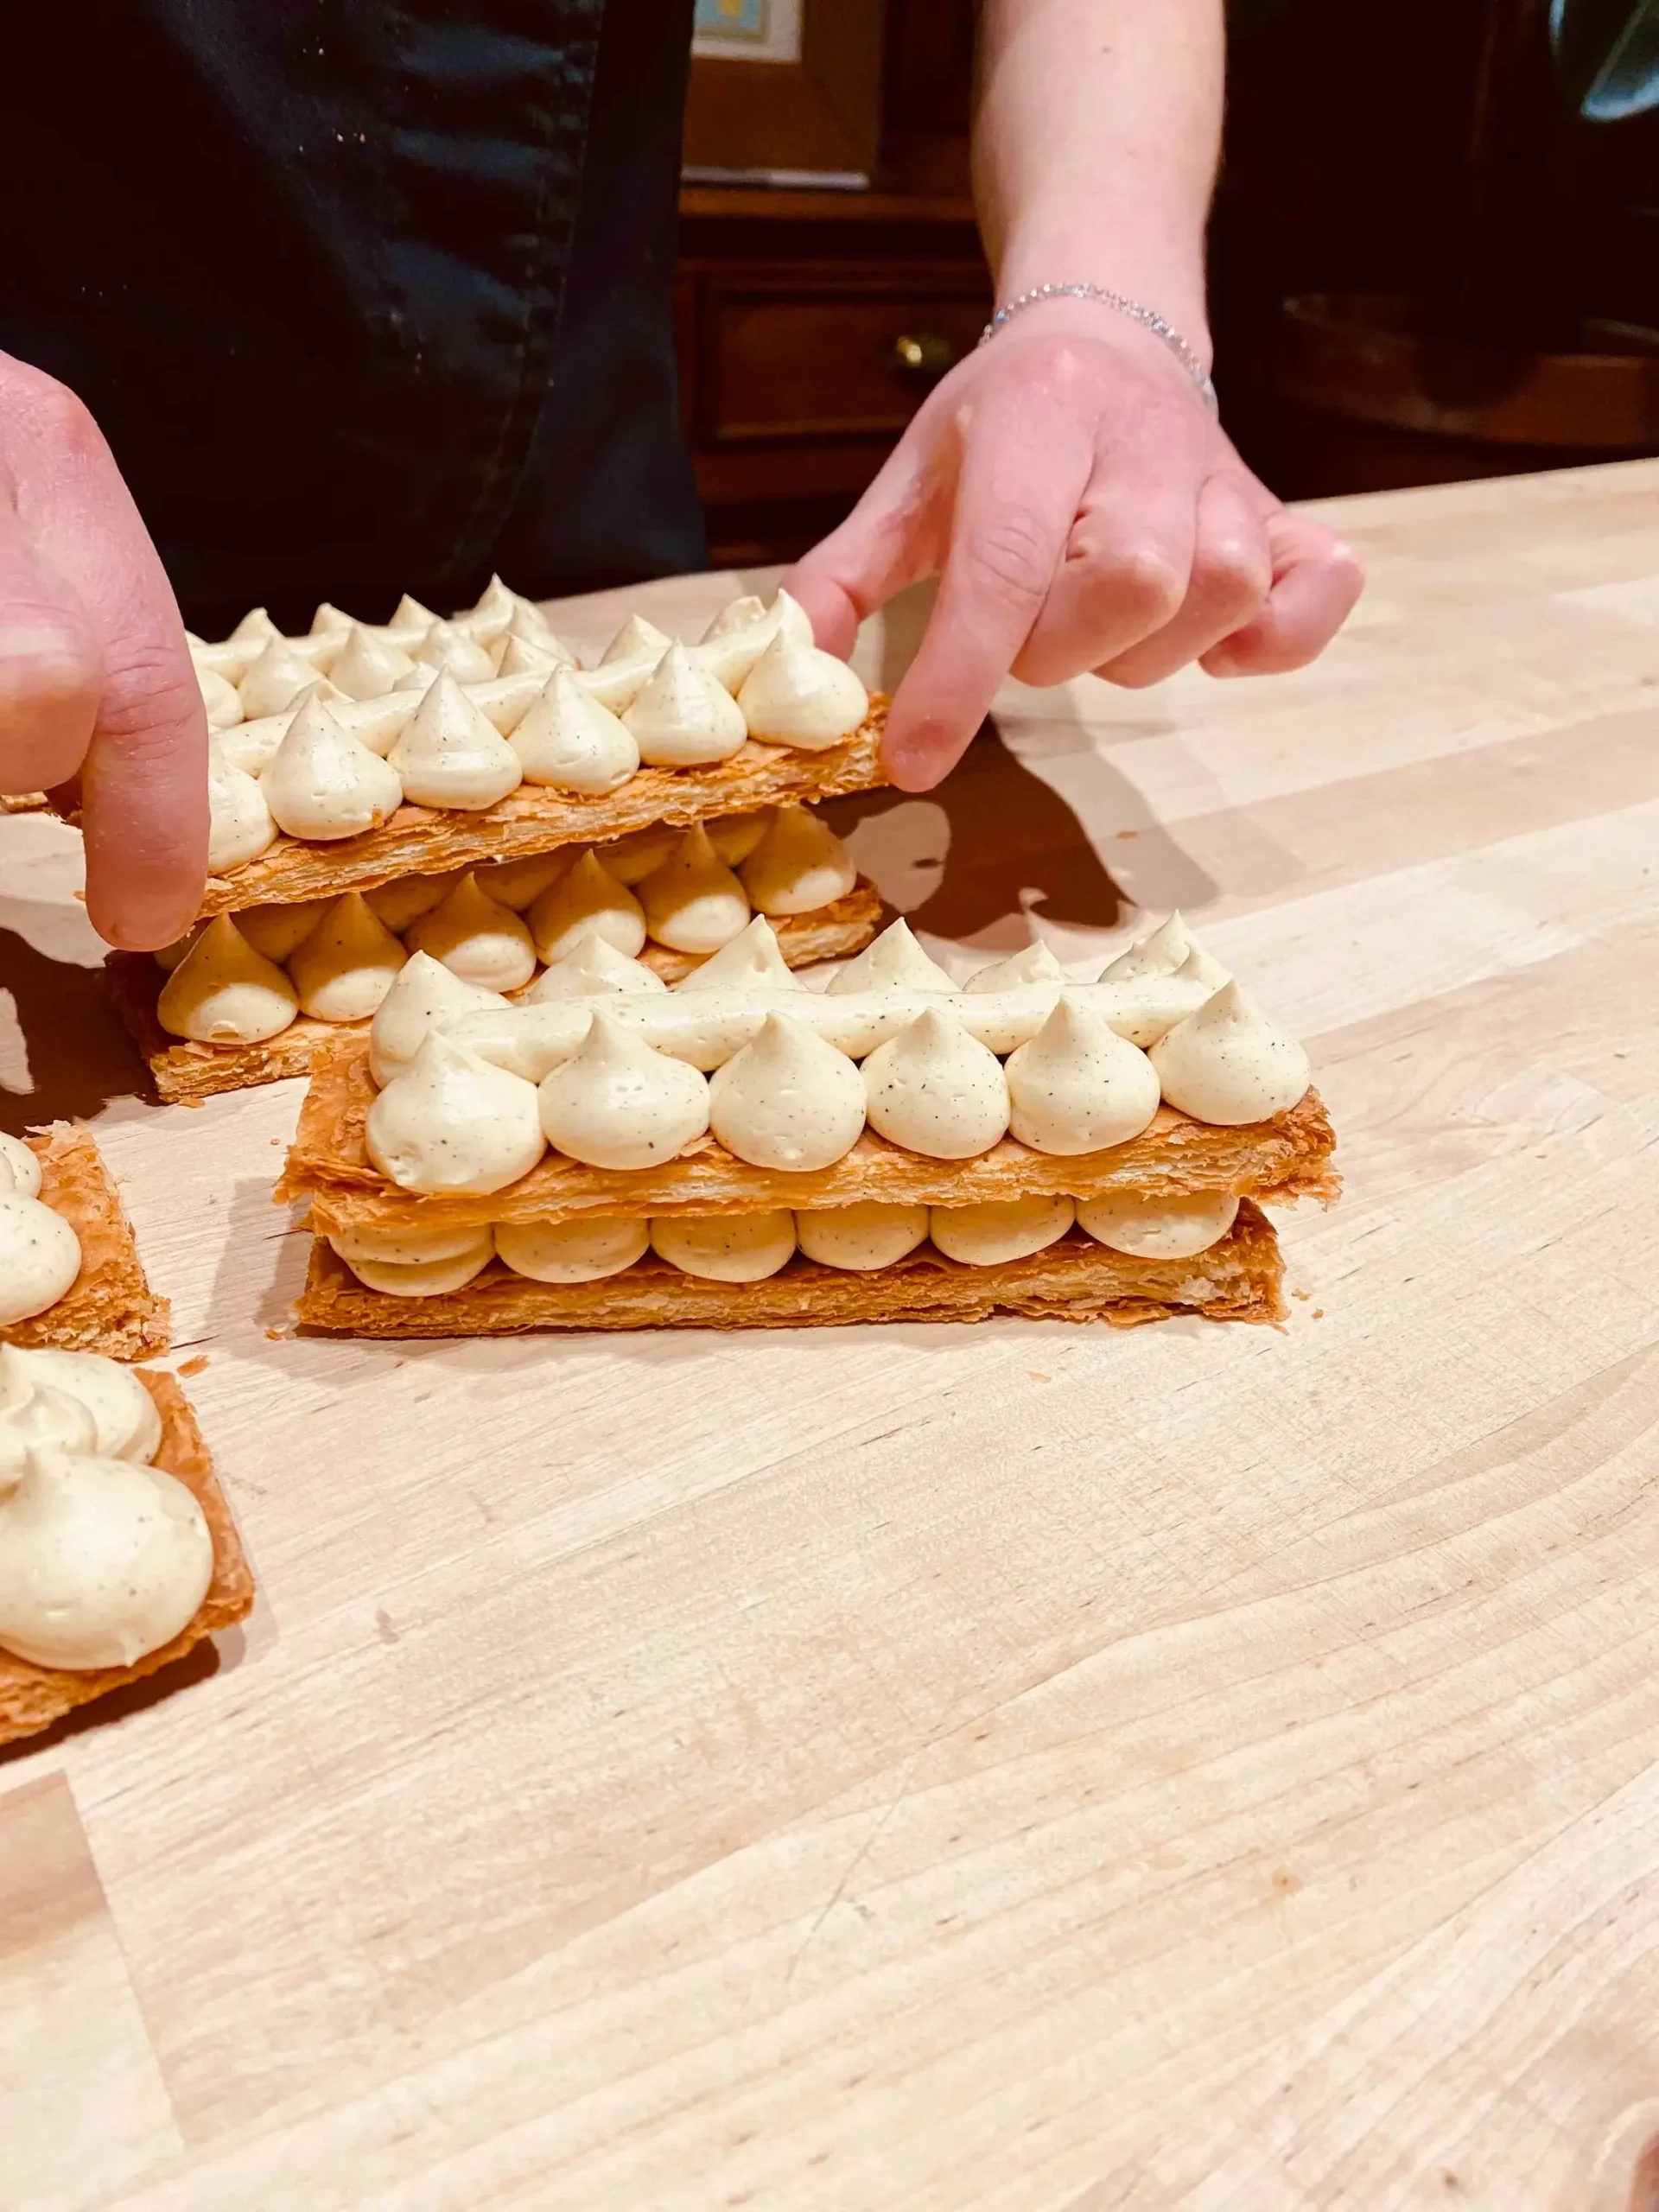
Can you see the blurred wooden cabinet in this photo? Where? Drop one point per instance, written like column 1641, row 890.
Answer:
column 813, row 324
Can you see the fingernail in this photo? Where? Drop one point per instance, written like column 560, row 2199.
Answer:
column 910, row 765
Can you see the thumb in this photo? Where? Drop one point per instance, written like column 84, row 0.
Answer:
column 879, row 550
column 109, row 671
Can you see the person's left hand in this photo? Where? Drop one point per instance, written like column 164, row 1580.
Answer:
column 1082, row 510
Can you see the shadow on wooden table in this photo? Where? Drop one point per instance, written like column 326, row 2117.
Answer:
column 64, row 1055
column 221, row 1654
column 995, row 853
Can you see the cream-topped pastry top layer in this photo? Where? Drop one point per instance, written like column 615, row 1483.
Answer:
column 334, row 730
column 103, row 1557
column 621, row 1077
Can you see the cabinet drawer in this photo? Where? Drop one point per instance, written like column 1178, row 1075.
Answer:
column 851, row 358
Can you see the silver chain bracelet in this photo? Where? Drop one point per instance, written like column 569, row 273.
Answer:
column 1148, row 318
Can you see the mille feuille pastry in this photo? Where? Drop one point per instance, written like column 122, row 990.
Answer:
column 741, row 1151
column 71, row 1279
column 465, row 791
column 117, row 1551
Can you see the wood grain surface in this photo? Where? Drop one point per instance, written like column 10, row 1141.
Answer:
column 1016, row 1769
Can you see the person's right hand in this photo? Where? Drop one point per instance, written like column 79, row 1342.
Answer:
column 96, row 679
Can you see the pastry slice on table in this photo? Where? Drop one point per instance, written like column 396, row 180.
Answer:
column 71, row 1279
column 742, row 1152
column 117, row 1551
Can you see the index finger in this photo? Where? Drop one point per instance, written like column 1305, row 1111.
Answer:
column 145, row 782
column 1023, row 466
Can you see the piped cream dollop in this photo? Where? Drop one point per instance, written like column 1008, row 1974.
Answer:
column 42, row 1416
column 735, row 836
column 40, row 1258
column 1035, row 963
column 451, row 1123
column 1170, row 946
column 520, row 883
column 617, row 1103
column 1077, row 1086
column 343, row 968
column 368, row 666
column 168, row 957
column 273, row 681
column 476, row 937
column 693, row 902
column 405, row 900
column 220, row 698
column 862, row 1237
column 586, row 901
column 592, row 968
column 528, row 657
column 1229, row 1065
column 376, row 724
column 741, row 613
column 406, row 1248
column 451, row 755
column 800, row 865
column 750, row 962
column 239, row 825
column 102, row 1562
column 447, row 646
column 991, row 1235
column 935, row 1089
column 787, row 1099
column 20, row 1167
column 632, row 858
column 424, row 995
column 409, row 622
column 635, row 638
column 681, row 717
column 893, row 963
column 234, row 656
column 251, row 747
column 572, row 1251
column 569, row 741
column 323, row 785
column 125, row 1422
column 532, row 628
column 224, row 992
column 1160, row 1229
column 492, row 612
column 725, row 1248
column 424, row 1278
column 275, row 930
column 742, row 631
column 331, row 621
column 796, row 695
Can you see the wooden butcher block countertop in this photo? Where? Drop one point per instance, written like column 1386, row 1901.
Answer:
column 1017, row 1768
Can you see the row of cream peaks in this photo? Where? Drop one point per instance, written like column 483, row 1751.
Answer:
column 319, row 762
column 490, row 925
column 104, row 1558
column 609, row 1067
column 748, row 1247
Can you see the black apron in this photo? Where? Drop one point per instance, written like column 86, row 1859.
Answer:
column 367, row 295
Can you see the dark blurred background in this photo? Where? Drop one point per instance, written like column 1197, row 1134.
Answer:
column 1434, row 252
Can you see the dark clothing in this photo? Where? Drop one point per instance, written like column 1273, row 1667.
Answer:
column 367, row 295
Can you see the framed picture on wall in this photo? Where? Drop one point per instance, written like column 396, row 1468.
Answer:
column 785, row 90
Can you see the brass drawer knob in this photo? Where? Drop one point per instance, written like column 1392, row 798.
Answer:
column 924, row 355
